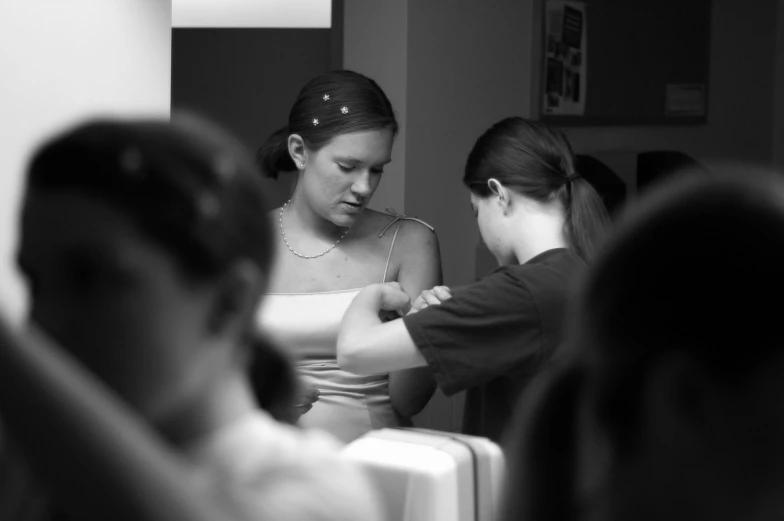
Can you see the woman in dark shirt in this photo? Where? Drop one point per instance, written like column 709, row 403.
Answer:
column 541, row 221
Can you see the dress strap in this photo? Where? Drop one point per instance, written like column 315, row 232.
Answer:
column 402, row 217
column 398, row 218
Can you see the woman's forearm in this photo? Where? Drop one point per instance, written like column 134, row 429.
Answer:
column 368, row 346
column 358, row 325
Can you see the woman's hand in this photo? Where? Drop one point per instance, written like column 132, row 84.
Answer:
column 394, row 302
column 431, row 297
column 305, row 400
column 390, row 299
column 366, row 345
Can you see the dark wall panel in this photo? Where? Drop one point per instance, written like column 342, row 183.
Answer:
column 247, row 79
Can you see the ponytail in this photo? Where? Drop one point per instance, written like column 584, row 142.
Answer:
column 586, row 218
column 273, row 156
column 536, row 160
column 542, row 455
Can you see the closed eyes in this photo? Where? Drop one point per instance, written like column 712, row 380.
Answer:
column 350, row 168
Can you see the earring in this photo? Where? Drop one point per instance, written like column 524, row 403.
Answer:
column 302, row 165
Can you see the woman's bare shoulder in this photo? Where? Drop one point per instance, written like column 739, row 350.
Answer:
column 416, row 236
column 416, row 257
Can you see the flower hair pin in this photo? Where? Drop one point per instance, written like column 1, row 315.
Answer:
column 132, row 163
column 223, row 166
column 208, row 206
column 326, row 97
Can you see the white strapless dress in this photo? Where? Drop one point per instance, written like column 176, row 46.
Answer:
column 307, row 325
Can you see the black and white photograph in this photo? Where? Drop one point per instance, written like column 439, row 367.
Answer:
column 399, row 260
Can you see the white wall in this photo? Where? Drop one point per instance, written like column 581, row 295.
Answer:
column 313, row 14
column 467, row 69
column 469, row 66
column 375, row 44
column 63, row 61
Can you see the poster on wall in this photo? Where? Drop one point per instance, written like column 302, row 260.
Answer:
column 565, row 58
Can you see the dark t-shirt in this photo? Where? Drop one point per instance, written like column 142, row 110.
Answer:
column 492, row 337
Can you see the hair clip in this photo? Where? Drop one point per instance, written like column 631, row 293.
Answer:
column 131, row 162
column 326, row 97
column 315, row 122
column 344, row 110
column 224, row 166
column 208, row 206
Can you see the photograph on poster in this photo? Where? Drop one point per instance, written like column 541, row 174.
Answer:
column 565, row 70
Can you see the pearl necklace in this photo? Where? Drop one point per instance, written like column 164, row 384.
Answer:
column 292, row 250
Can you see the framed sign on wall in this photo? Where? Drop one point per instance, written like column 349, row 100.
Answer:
column 616, row 62
column 566, row 58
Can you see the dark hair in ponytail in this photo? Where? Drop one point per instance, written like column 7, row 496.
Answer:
column 542, row 450
column 273, row 156
column 335, row 103
column 536, row 160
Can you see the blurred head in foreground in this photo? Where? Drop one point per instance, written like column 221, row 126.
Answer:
column 666, row 401
column 146, row 247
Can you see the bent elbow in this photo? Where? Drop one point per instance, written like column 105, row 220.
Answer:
column 349, row 356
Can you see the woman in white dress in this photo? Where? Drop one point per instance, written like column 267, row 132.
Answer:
column 339, row 138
